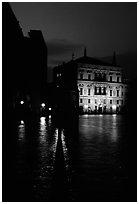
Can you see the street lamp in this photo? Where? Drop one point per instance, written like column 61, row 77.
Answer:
column 43, row 105
column 21, row 102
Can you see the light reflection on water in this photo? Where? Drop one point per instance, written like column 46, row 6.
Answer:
column 97, row 152
column 21, row 132
column 46, row 150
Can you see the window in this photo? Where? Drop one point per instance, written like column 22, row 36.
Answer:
column 110, row 101
column 88, row 91
column 102, row 90
column 97, row 90
column 117, row 92
column 95, row 100
column 81, row 91
column 104, row 101
column 89, row 77
column 81, row 100
column 117, row 79
column 111, row 78
column 81, row 76
column 88, row 100
column 110, row 92
column 117, row 101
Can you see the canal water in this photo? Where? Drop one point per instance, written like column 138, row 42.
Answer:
column 93, row 162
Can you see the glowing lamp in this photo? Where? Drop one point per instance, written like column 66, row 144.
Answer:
column 49, row 108
column 22, row 122
column 43, row 105
column 21, row 102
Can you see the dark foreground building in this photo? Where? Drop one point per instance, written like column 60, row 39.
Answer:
column 24, row 65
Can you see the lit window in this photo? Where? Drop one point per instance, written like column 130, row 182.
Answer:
column 97, row 89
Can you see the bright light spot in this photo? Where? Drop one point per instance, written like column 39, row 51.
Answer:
column 22, row 102
column 43, row 105
column 100, row 115
column 49, row 108
column 22, row 122
column 85, row 106
column 49, row 116
column 114, row 107
column 114, row 115
column 42, row 120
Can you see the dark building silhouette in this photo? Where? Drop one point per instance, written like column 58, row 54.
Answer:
column 24, row 65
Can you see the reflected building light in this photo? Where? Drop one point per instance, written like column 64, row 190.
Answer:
column 21, row 102
column 42, row 131
column 21, row 131
column 42, row 121
column 114, row 135
column 53, row 148
column 100, row 115
column 114, row 115
column 64, row 148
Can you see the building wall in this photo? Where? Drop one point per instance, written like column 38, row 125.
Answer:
column 101, row 89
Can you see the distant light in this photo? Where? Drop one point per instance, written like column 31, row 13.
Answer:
column 49, row 116
column 114, row 115
column 43, row 105
column 22, row 122
column 22, row 102
column 49, row 108
column 100, row 115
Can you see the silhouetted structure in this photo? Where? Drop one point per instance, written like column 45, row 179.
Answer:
column 24, row 66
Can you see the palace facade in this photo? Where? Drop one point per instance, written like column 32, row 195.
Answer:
column 100, row 85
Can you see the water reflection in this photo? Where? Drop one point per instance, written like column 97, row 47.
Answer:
column 21, row 132
column 95, row 166
column 65, row 150
column 46, row 150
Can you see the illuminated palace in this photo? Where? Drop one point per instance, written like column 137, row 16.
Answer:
column 101, row 85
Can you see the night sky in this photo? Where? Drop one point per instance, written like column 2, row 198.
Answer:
column 69, row 27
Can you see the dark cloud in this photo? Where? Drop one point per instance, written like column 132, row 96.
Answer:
column 57, row 47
